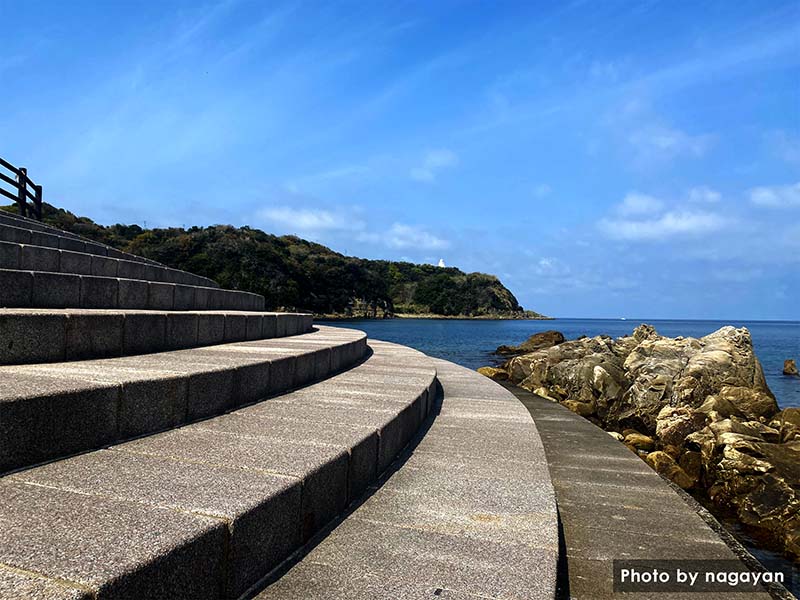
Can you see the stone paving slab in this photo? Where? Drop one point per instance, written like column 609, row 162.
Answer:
column 393, row 426
column 360, row 441
column 492, row 509
column 118, row 549
column 415, row 555
column 260, row 511
column 54, row 410
column 19, row 584
column 42, row 236
column 315, row 580
column 45, row 289
column 39, row 240
column 476, row 443
column 322, row 469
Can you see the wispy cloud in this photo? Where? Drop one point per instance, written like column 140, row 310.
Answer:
column 433, row 162
column 668, row 225
column 308, row 221
column 542, row 190
column 640, row 217
column 638, row 204
column 401, row 236
column 658, row 143
column 776, row 196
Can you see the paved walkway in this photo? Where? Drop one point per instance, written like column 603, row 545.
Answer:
column 613, row 506
column 467, row 512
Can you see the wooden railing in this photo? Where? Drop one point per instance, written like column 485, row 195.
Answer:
column 15, row 185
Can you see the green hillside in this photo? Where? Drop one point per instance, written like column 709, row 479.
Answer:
column 295, row 274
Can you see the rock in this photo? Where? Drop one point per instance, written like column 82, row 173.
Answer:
column 788, row 415
column 544, row 393
column 607, row 382
column 674, row 423
column 692, row 464
column 696, row 440
column 714, row 406
column 790, row 368
column 665, row 465
column 698, row 408
column 494, row 373
column 584, row 409
column 537, row 341
column 644, row 332
column 749, row 402
column 758, row 429
column 639, row 441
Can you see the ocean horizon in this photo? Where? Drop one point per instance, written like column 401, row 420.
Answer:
column 472, row 342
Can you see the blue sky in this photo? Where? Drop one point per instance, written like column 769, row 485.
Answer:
column 604, row 159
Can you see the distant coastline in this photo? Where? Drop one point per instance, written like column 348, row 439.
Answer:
column 527, row 316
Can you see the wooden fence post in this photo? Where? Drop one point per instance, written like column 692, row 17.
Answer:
column 22, row 200
column 37, row 203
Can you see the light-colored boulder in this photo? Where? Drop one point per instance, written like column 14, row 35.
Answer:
column 674, row 423
column 494, row 373
column 639, row 441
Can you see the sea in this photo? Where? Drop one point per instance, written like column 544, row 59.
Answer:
column 471, row 342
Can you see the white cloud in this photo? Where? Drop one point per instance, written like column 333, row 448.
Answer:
column 303, row 220
column 658, row 142
column 400, row 235
column 433, row 162
column 704, row 194
column 776, row 196
column 542, row 190
column 638, row 204
column 668, row 225
column 410, row 236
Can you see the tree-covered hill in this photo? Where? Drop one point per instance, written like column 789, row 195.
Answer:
column 295, row 274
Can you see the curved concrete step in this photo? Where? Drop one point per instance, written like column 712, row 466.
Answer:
column 469, row 512
column 58, row 335
column 14, row 228
column 207, row 510
column 28, row 257
column 52, row 410
column 41, row 289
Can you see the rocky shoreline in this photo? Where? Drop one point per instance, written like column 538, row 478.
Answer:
column 697, row 410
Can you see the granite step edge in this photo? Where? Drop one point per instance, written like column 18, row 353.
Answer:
column 61, row 335
column 55, row 410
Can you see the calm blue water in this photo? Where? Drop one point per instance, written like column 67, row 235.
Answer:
column 470, row 343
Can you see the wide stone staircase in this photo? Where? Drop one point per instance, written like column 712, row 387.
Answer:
column 161, row 437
